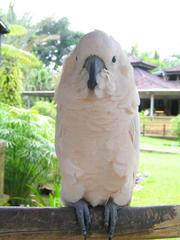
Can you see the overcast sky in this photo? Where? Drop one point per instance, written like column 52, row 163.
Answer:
column 151, row 24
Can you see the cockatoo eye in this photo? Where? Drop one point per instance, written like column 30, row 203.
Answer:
column 76, row 58
column 114, row 59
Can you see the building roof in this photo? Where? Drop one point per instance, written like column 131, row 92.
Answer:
column 147, row 80
column 172, row 70
column 3, row 28
column 138, row 62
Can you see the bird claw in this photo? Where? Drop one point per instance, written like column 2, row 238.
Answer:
column 109, row 237
column 110, row 218
column 83, row 216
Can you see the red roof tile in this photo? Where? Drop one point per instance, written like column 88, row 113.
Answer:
column 147, row 80
column 174, row 70
column 138, row 62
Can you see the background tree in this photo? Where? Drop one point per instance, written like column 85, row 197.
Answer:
column 21, row 29
column 51, row 52
column 155, row 58
column 18, row 49
column 134, row 50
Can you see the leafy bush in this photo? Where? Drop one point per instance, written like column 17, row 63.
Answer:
column 24, row 58
column 45, row 108
column 12, row 73
column 175, row 124
column 11, row 83
column 30, row 151
column 37, row 79
column 53, row 199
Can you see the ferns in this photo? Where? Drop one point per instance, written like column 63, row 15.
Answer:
column 30, row 151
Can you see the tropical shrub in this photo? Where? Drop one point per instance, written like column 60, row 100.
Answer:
column 30, row 151
column 45, row 108
column 24, row 58
column 11, row 73
column 175, row 124
column 37, row 79
column 32, row 74
column 11, row 82
column 53, row 200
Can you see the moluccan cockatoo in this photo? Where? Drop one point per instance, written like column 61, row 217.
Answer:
column 97, row 129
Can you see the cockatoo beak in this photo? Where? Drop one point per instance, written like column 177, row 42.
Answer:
column 93, row 65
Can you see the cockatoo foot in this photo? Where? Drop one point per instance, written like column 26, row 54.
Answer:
column 83, row 216
column 110, row 217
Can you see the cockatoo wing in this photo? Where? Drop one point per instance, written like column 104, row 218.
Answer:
column 134, row 132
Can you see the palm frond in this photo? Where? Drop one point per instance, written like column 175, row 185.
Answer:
column 23, row 56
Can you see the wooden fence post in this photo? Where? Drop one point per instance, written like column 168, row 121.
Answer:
column 164, row 130
column 144, row 129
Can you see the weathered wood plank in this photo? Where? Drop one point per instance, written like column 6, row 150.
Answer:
column 50, row 223
column 39, row 93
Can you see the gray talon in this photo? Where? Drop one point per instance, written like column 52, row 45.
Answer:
column 110, row 218
column 83, row 216
column 110, row 238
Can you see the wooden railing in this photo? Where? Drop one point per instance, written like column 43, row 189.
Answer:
column 157, row 126
column 150, row 126
column 49, row 223
column 45, row 95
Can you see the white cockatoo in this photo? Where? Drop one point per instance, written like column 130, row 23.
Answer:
column 97, row 128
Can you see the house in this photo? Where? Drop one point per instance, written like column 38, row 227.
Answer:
column 3, row 30
column 160, row 94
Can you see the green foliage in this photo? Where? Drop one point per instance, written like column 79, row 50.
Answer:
column 11, row 15
column 175, row 124
column 20, row 35
column 156, row 55
column 50, row 39
column 51, row 52
column 135, row 50
column 21, row 56
column 45, row 108
column 32, row 74
column 154, row 58
column 17, row 30
column 170, row 62
column 37, row 78
column 11, row 83
column 30, row 152
column 53, row 199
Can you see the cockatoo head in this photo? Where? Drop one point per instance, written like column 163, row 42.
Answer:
column 98, row 66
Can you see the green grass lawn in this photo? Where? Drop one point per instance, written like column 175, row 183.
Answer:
column 155, row 141
column 166, row 145
column 163, row 184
